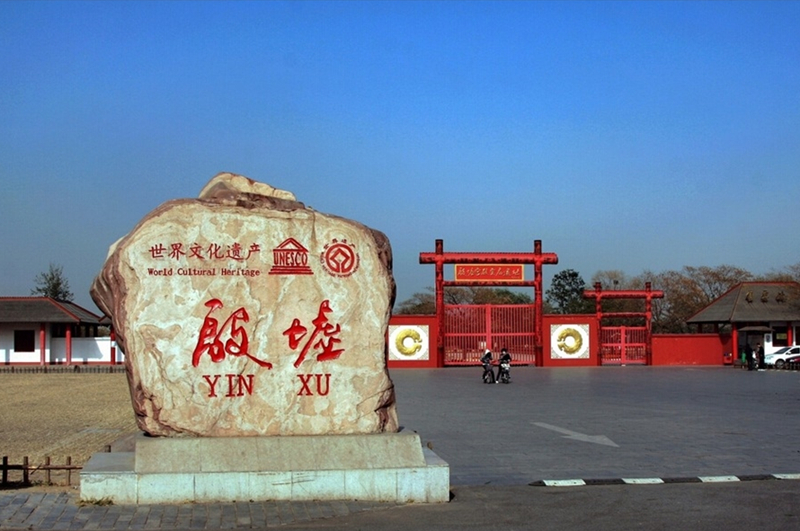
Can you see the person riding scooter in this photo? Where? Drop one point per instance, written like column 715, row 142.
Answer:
column 504, row 369
column 488, row 371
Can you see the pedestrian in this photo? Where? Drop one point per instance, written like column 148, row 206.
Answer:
column 748, row 356
column 488, row 371
column 760, row 357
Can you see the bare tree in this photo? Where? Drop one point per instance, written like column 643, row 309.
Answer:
column 611, row 279
column 787, row 274
column 424, row 303
column 712, row 282
column 614, row 279
column 688, row 291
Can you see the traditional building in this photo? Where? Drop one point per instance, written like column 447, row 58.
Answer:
column 43, row 331
column 757, row 312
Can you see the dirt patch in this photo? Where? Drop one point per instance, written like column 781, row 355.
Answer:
column 62, row 414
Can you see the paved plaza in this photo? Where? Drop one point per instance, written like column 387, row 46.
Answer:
column 605, row 422
column 642, row 447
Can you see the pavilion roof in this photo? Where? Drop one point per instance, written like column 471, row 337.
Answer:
column 753, row 302
column 44, row 310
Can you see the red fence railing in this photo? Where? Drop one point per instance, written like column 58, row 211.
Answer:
column 471, row 329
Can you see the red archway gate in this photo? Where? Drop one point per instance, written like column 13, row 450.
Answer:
column 625, row 345
column 466, row 330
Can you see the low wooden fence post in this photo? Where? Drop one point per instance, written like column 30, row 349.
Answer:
column 27, row 469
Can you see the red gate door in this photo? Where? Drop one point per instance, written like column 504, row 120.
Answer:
column 623, row 345
column 471, row 329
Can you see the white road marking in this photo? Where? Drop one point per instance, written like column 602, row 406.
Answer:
column 569, row 434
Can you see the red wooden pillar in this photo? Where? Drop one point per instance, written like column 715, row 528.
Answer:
column 488, row 319
column 598, row 312
column 439, row 291
column 598, row 304
column 113, row 347
column 69, row 345
column 538, row 304
column 648, row 310
column 42, row 344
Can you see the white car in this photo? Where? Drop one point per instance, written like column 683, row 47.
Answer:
column 778, row 358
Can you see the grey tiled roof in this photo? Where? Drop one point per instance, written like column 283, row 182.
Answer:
column 753, row 302
column 43, row 310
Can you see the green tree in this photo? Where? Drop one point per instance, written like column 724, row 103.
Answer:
column 52, row 284
column 565, row 294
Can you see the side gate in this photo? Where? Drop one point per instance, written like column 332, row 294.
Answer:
column 470, row 329
column 623, row 345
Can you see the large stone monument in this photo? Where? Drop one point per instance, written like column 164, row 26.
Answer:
column 254, row 333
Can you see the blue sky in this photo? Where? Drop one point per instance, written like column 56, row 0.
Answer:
column 632, row 136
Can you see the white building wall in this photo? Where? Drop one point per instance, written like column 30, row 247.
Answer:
column 7, row 353
column 6, row 343
column 84, row 349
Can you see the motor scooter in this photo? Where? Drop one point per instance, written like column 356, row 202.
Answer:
column 488, row 371
column 504, row 371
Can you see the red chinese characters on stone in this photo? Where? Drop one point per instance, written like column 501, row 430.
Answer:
column 323, row 339
column 230, row 338
column 213, row 251
column 157, row 251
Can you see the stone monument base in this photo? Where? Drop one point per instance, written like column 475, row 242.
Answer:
column 378, row 467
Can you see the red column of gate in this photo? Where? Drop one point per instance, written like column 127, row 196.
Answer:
column 487, row 311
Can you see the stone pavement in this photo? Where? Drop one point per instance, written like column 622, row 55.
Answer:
column 37, row 510
column 594, row 428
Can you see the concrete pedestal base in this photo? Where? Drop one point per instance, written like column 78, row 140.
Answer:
column 380, row 467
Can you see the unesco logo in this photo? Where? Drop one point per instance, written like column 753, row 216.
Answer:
column 339, row 258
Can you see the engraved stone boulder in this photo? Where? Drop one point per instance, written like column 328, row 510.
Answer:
column 245, row 313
